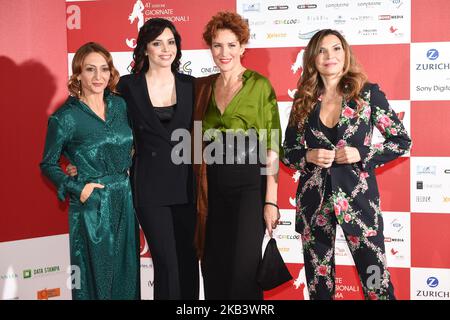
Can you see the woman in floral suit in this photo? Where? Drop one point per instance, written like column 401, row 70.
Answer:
column 328, row 139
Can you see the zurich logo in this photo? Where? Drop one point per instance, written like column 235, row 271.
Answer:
column 432, row 282
column 432, row 54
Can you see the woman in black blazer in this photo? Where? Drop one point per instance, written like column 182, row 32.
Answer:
column 160, row 100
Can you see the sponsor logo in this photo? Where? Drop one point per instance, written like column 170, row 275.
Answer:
column 432, row 54
column 296, row 66
column 341, row 288
column 397, row 3
column 307, row 35
column 362, row 18
column 251, row 7
column 9, row 276
column 420, row 185
column 185, row 68
column 339, row 20
column 143, row 245
column 423, row 198
column 446, row 199
column 276, row 35
column 433, row 66
column 307, row 6
column 316, row 18
column 400, row 115
column 278, row 7
column 284, row 223
column 389, row 239
column 340, row 252
column 288, row 236
column 369, row 4
column 292, row 202
column 389, row 17
column 368, row 32
column 28, row 273
column 433, row 294
column 291, row 93
column 45, row 294
column 433, row 283
column 337, row 5
column 287, row 21
column 426, row 170
column 447, row 171
column 257, row 22
column 209, row 70
column 136, row 16
column 130, row 66
column 393, row 29
column 394, row 252
column 396, row 225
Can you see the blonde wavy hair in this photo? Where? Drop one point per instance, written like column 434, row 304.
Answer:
column 74, row 84
column 310, row 85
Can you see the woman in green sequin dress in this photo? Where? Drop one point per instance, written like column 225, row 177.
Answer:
column 92, row 131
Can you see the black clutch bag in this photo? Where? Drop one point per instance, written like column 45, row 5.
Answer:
column 272, row 270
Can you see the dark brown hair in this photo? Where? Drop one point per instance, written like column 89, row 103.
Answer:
column 151, row 29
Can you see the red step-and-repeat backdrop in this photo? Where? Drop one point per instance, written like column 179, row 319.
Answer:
column 403, row 45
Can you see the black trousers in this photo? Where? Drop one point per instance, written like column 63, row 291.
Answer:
column 170, row 232
column 234, row 232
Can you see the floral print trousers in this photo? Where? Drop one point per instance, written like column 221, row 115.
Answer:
column 368, row 254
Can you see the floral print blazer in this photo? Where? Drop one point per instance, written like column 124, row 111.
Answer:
column 354, row 199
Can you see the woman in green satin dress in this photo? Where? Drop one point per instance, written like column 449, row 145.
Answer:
column 92, row 131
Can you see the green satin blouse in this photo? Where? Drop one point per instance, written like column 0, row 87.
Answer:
column 253, row 107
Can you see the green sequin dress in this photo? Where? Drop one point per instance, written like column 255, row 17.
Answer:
column 103, row 231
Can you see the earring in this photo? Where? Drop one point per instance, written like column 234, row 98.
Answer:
column 79, row 88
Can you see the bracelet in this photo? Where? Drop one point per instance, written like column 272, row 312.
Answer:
column 272, row 204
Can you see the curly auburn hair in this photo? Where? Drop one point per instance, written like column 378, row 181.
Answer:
column 74, row 84
column 227, row 20
column 151, row 29
column 310, row 85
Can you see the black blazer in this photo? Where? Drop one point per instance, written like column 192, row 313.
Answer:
column 156, row 180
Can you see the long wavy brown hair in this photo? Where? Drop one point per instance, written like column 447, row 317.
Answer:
column 310, row 85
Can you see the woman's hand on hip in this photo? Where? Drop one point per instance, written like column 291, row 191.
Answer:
column 88, row 189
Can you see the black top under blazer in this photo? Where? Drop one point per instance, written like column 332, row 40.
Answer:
column 156, row 180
